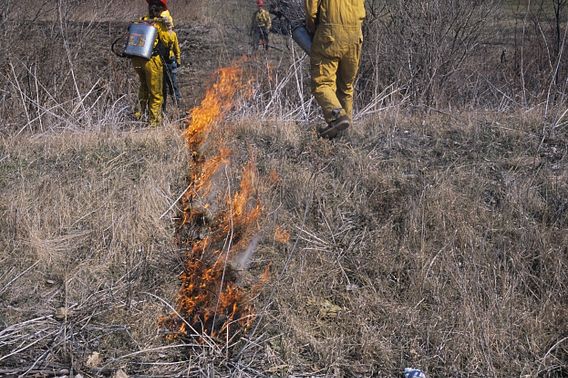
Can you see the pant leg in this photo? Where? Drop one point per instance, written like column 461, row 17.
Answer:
column 175, row 85
column 166, row 87
column 154, row 70
column 143, row 94
column 346, row 75
column 264, row 33
column 255, row 38
column 323, row 71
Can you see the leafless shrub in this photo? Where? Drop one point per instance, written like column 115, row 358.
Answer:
column 281, row 89
column 422, row 46
column 59, row 72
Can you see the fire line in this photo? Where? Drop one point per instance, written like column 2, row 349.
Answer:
column 211, row 231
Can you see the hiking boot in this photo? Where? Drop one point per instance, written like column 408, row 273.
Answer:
column 334, row 127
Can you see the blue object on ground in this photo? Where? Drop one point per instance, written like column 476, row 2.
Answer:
column 413, row 373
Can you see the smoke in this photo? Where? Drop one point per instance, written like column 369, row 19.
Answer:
column 242, row 261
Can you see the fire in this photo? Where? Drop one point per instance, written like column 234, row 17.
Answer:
column 210, row 303
column 281, row 235
column 218, row 99
column 240, row 219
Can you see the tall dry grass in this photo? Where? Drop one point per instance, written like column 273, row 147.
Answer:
column 86, row 243
column 436, row 242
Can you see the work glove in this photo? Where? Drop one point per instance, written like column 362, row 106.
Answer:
column 178, row 62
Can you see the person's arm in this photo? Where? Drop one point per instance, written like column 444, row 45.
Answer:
column 177, row 50
column 269, row 21
column 311, row 9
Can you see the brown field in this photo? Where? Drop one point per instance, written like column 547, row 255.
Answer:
column 433, row 235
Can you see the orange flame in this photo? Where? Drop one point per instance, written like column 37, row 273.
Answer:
column 209, row 300
column 281, row 235
column 218, row 100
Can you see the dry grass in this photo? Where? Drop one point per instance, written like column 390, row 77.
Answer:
column 83, row 241
column 437, row 242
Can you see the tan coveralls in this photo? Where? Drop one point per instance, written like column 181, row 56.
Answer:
column 335, row 53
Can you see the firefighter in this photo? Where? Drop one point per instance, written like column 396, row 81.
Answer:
column 151, row 72
column 260, row 26
column 173, row 62
column 334, row 58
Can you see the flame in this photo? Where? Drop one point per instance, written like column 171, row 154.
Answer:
column 218, row 100
column 281, row 235
column 240, row 219
column 209, row 301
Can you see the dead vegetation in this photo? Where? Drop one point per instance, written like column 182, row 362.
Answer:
column 84, row 244
column 436, row 242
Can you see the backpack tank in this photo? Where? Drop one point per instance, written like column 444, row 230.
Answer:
column 141, row 38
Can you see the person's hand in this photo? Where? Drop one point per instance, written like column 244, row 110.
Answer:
column 178, row 62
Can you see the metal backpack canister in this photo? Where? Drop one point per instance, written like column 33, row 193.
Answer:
column 141, row 38
column 303, row 38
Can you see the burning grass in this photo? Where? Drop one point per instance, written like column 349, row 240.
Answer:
column 216, row 226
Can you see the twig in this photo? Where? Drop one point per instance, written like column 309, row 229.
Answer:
column 18, row 276
column 175, row 202
column 28, row 346
column 45, row 372
column 20, row 91
column 16, row 326
column 543, row 359
column 156, row 349
column 377, row 100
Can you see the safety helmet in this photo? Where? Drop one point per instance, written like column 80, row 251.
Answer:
column 260, row 3
column 164, row 3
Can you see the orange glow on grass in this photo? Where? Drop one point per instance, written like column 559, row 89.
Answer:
column 281, row 235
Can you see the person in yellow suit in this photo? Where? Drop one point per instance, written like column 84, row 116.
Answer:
column 151, row 72
column 334, row 58
column 260, row 26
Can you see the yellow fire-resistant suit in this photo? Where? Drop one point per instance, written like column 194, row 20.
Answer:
column 260, row 28
column 150, row 72
column 335, row 53
column 175, row 52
